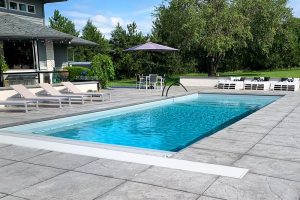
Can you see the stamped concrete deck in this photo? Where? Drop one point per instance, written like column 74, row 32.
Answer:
column 266, row 142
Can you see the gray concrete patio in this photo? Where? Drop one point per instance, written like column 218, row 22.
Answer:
column 266, row 142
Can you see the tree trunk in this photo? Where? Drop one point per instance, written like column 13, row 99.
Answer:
column 213, row 67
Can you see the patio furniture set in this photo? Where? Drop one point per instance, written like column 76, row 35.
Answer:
column 53, row 95
column 260, row 83
column 152, row 81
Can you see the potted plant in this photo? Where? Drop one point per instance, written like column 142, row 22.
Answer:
column 3, row 68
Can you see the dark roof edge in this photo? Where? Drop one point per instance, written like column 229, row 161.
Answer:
column 53, row 1
column 72, row 40
column 16, row 37
column 79, row 41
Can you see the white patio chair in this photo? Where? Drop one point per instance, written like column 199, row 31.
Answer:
column 140, row 81
column 153, row 80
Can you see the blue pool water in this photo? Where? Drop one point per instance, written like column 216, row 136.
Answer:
column 169, row 126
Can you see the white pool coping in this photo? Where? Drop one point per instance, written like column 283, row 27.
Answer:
column 22, row 136
column 171, row 163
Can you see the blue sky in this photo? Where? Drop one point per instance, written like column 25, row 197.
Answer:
column 105, row 14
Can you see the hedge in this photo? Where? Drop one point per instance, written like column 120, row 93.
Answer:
column 77, row 71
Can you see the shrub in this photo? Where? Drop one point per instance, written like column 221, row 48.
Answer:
column 77, row 71
column 3, row 68
column 3, row 65
column 103, row 68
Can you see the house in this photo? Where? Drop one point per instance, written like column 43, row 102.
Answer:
column 31, row 49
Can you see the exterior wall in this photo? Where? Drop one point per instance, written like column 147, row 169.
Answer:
column 200, row 82
column 60, row 55
column 86, row 87
column 42, row 55
column 37, row 17
column 1, row 49
column 50, row 55
column 50, row 62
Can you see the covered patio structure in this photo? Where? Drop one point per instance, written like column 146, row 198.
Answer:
column 31, row 49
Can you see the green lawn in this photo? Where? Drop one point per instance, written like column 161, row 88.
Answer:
column 294, row 73
column 123, row 82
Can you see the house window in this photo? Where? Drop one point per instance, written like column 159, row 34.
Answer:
column 22, row 7
column 13, row 5
column 2, row 4
column 31, row 9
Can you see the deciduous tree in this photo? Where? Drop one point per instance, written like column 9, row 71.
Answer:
column 213, row 27
column 268, row 20
column 103, row 68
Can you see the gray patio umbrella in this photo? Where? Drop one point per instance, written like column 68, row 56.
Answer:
column 150, row 46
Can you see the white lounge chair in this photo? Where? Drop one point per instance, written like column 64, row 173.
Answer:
column 55, row 93
column 287, row 84
column 72, row 88
column 28, row 95
column 19, row 103
column 235, row 83
column 258, row 83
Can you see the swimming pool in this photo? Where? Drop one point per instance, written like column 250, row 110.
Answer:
column 168, row 125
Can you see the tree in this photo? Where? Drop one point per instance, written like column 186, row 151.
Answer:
column 134, row 36
column 103, row 68
column 211, row 27
column 225, row 28
column 267, row 20
column 119, row 42
column 118, row 37
column 284, row 52
column 62, row 24
column 295, row 27
column 177, row 25
column 90, row 32
column 127, row 64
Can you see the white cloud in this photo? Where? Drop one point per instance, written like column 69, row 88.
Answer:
column 144, row 11
column 144, row 26
column 107, row 22
column 76, row 14
column 79, row 23
column 100, row 19
column 116, row 20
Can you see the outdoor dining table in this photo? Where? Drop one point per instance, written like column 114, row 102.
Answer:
column 159, row 78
